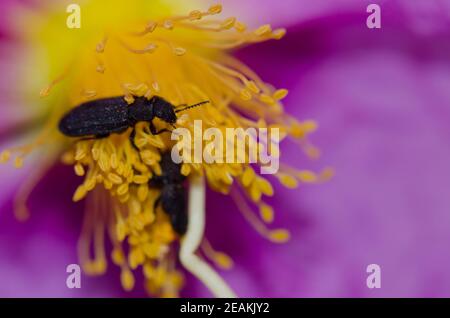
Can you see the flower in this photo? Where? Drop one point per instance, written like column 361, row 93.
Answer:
column 381, row 101
column 182, row 58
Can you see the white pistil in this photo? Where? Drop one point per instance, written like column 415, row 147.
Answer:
column 191, row 241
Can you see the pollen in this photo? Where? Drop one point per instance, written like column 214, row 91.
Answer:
column 184, row 58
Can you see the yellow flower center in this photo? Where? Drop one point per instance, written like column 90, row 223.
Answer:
column 185, row 60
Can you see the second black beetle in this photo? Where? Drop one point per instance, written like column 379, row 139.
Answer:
column 173, row 193
column 102, row 117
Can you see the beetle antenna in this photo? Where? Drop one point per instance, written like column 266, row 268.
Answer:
column 191, row 106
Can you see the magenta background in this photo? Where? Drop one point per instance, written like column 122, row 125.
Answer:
column 382, row 100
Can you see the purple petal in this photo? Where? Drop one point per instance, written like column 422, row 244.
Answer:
column 421, row 16
column 382, row 100
column 36, row 253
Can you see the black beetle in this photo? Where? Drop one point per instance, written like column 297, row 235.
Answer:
column 173, row 193
column 102, row 117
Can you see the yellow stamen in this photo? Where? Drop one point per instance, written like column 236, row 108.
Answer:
column 266, row 212
column 127, row 279
column 4, row 156
column 276, row 236
column 21, row 210
column 221, row 259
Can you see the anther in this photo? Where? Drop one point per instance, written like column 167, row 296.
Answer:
column 100, row 69
column 168, row 25
column 240, row 27
column 100, row 47
column 266, row 213
column 263, row 30
column 228, row 23
column 45, row 91
column 279, row 236
column 195, row 15
column 18, row 162
column 287, row 180
column 215, row 9
column 278, row 33
column 151, row 26
column 127, row 279
column 221, row 259
column 79, row 170
column 251, row 85
column 89, row 93
column 79, row 194
column 245, row 94
column 179, row 51
column 280, row 94
column 4, row 156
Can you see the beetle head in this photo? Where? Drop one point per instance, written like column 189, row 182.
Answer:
column 163, row 110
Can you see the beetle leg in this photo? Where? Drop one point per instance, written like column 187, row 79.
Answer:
column 133, row 144
column 100, row 136
column 157, row 202
column 132, row 136
column 155, row 132
column 162, row 130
